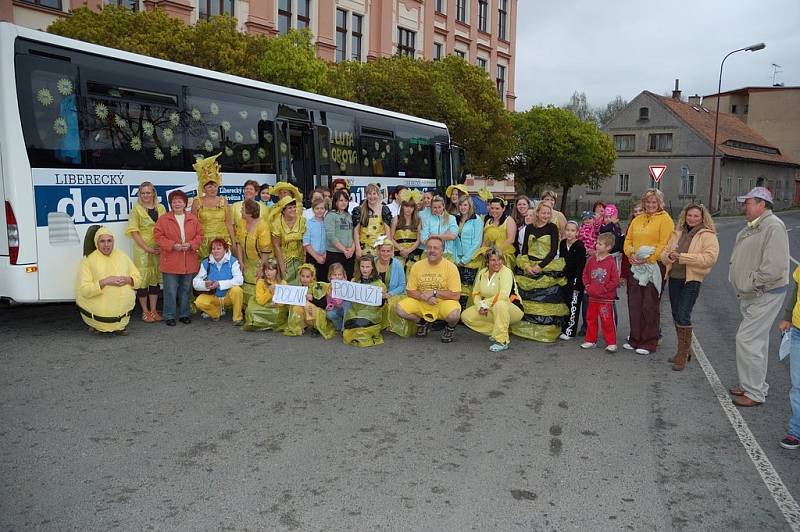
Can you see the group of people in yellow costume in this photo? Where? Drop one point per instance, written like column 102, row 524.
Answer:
column 436, row 260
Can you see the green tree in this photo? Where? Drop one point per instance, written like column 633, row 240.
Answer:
column 449, row 91
column 557, row 148
column 291, row 60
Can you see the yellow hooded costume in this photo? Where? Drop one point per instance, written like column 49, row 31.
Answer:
column 107, row 308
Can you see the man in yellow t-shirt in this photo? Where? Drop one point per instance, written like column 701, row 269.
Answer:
column 433, row 289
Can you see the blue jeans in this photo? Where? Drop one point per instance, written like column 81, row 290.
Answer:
column 336, row 316
column 177, row 292
column 794, row 393
column 682, row 297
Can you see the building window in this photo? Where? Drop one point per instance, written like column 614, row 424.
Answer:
column 625, row 142
column 483, row 15
column 461, row 53
column 746, row 108
column 438, row 50
column 212, row 8
column 341, row 35
column 502, row 19
column 358, row 34
column 501, row 81
column 739, row 183
column 405, row 42
column 440, row 6
column 594, row 186
column 733, row 108
column 687, row 185
column 660, row 142
column 623, row 184
column 133, row 5
column 461, row 11
column 653, row 184
column 644, row 113
column 751, row 184
column 482, row 63
column 284, row 16
column 728, row 186
column 52, row 4
column 303, row 14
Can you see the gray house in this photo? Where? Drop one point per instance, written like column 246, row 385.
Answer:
column 659, row 130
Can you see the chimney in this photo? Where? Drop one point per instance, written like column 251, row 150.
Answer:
column 695, row 100
column 676, row 94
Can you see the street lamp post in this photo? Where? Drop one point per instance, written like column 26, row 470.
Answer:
column 751, row 48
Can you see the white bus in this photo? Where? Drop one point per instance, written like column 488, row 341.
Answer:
column 82, row 125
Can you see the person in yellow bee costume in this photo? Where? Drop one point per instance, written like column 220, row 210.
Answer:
column 254, row 241
column 312, row 314
column 105, row 289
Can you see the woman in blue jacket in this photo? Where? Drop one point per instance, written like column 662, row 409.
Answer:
column 468, row 240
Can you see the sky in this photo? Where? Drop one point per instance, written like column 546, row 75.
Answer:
column 622, row 47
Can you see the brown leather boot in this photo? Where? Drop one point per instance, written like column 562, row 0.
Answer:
column 671, row 359
column 684, row 348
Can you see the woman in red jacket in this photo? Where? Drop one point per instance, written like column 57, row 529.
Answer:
column 179, row 235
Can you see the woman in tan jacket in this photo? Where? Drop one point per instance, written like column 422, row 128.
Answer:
column 689, row 256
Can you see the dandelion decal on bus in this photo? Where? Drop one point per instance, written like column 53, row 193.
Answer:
column 136, row 143
column 253, row 135
column 174, row 119
column 225, row 125
column 245, row 155
column 167, row 134
column 196, row 115
column 148, row 128
column 214, row 108
column 64, row 86
column 174, row 150
column 120, row 122
column 213, row 134
column 158, row 154
column 60, row 126
column 44, row 97
column 243, row 114
column 101, row 111
column 208, row 146
column 238, row 137
column 228, row 151
column 262, row 153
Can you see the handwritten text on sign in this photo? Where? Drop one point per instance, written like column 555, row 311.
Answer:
column 365, row 294
column 290, row 295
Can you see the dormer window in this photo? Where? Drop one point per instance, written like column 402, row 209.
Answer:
column 644, row 113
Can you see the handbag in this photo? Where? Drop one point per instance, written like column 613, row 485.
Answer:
column 786, row 345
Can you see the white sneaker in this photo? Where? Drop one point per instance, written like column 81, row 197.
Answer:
column 627, row 346
column 587, row 345
column 204, row 316
column 612, row 348
column 641, row 351
column 565, row 337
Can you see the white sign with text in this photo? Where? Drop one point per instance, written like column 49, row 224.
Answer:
column 290, row 295
column 365, row 294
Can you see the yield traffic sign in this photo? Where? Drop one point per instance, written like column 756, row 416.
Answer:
column 657, row 171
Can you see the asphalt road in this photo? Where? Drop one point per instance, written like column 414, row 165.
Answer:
column 204, row 427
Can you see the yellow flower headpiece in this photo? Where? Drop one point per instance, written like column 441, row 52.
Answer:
column 382, row 240
column 293, row 190
column 410, row 195
column 484, row 193
column 207, row 169
column 461, row 188
column 309, row 267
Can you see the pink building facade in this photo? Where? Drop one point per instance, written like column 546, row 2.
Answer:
column 482, row 32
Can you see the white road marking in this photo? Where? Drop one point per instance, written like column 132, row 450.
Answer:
column 794, row 260
column 783, row 498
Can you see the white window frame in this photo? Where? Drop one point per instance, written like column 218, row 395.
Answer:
column 623, row 183
column 438, row 50
column 688, row 183
column 485, row 65
column 312, row 20
column 466, row 11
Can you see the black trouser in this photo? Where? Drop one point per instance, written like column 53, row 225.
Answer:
column 682, row 297
column 574, row 302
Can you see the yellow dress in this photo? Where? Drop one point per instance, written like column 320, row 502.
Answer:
column 213, row 222
column 236, row 211
column 108, row 308
column 291, row 245
column 405, row 238
column 254, row 242
column 542, row 294
column 146, row 263
column 261, row 313
column 494, row 235
column 369, row 234
column 311, row 315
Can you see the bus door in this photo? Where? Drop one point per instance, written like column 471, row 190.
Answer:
column 458, row 162
column 296, row 160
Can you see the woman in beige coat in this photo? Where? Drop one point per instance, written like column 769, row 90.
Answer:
column 689, row 256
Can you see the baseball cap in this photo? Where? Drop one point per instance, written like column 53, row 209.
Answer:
column 761, row 193
column 586, row 215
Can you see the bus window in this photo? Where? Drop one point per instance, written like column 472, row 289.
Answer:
column 238, row 127
column 129, row 128
column 414, row 157
column 322, row 140
column 48, row 100
column 377, row 156
column 343, row 153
